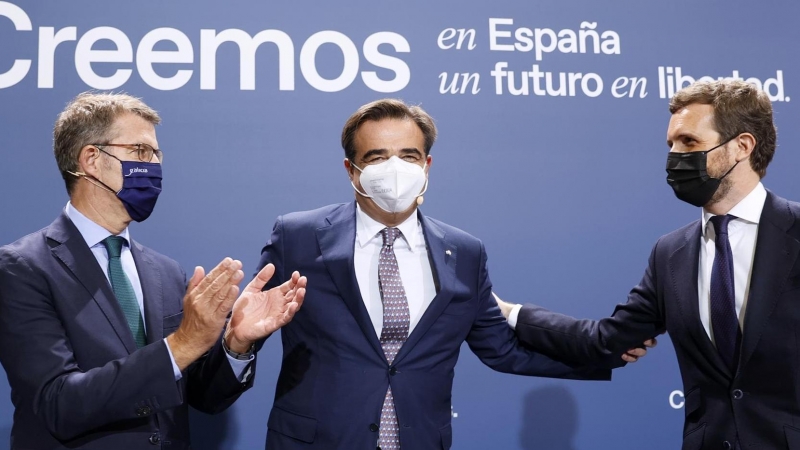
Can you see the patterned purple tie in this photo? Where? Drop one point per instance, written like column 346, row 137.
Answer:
column 724, row 323
column 394, row 333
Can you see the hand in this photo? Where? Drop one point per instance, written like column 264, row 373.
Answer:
column 208, row 301
column 505, row 307
column 257, row 313
column 634, row 354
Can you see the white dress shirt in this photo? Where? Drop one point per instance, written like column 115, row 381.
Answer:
column 94, row 235
column 742, row 233
column 412, row 260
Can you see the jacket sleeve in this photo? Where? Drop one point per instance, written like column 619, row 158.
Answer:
column 272, row 253
column 596, row 341
column 36, row 353
column 494, row 342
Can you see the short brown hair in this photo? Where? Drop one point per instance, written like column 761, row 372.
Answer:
column 388, row 108
column 88, row 119
column 739, row 107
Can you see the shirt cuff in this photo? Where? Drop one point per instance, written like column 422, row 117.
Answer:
column 240, row 367
column 175, row 369
column 512, row 318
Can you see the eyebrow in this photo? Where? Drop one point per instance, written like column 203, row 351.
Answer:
column 374, row 152
column 383, row 152
column 681, row 136
column 413, row 150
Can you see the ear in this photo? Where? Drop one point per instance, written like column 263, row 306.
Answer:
column 745, row 143
column 89, row 161
column 349, row 168
column 429, row 162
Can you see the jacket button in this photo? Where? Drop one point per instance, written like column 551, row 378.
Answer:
column 393, row 371
column 373, row 427
column 726, row 445
column 154, row 439
column 737, row 394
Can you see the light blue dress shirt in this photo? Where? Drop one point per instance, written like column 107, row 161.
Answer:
column 94, row 235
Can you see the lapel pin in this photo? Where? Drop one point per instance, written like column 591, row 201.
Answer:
column 448, row 252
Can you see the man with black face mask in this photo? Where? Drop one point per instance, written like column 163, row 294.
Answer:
column 103, row 343
column 726, row 287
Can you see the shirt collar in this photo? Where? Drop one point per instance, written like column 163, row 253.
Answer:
column 368, row 229
column 748, row 209
column 92, row 233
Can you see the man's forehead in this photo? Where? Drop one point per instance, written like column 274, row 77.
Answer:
column 695, row 118
column 389, row 132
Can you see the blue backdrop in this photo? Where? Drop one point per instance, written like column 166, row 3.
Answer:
column 574, row 161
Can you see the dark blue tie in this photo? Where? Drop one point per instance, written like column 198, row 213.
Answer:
column 724, row 322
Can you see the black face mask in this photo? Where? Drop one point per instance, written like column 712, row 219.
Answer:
column 688, row 176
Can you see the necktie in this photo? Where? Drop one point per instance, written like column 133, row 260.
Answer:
column 123, row 289
column 724, row 322
column 394, row 333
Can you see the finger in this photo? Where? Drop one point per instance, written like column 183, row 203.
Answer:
column 262, row 278
column 651, row 343
column 197, row 277
column 218, row 287
column 299, row 297
column 289, row 285
column 228, row 300
column 628, row 358
column 216, row 272
column 637, row 352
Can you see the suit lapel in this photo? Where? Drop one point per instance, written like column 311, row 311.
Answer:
column 337, row 243
column 79, row 259
column 683, row 268
column 150, row 279
column 443, row 257
column 776, row 253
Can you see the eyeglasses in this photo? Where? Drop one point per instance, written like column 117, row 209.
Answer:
column 144, row 152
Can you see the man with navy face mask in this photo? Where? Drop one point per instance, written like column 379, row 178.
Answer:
column 104, row 345
column 726, row 286
column 369, row 360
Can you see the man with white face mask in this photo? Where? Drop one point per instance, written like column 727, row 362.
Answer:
column 369, row 360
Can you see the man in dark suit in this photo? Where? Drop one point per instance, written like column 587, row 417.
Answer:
column 370, row 358
column 103, row 343
column 726, row 287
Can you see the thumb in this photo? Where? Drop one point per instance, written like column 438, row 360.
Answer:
column 197, row 277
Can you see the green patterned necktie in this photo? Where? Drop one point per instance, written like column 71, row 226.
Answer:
column 123, row 289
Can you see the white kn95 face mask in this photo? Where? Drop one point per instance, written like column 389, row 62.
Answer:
column 393, row 184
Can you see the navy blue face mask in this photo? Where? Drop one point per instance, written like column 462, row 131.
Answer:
column 141, row 186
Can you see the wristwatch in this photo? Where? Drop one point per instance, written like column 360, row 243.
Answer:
column 246, row 356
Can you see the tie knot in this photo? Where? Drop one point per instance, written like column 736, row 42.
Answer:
column 390, row 235
column 721, row 223
column 114, row 245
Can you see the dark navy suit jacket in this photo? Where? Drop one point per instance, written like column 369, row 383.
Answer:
column 334, row 375
column 759, row 404
column 77, row 379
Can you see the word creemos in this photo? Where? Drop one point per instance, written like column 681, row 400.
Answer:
column 146, row 56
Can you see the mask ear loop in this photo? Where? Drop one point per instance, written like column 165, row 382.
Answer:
column 420, row 198
column 92, row 180
column 354, row 185
column 737, row 162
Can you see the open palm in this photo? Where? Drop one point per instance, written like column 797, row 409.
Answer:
column 257, row 314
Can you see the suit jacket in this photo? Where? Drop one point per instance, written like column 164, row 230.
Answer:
column 77, row 379
column 760, row 402
column 334, row 375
